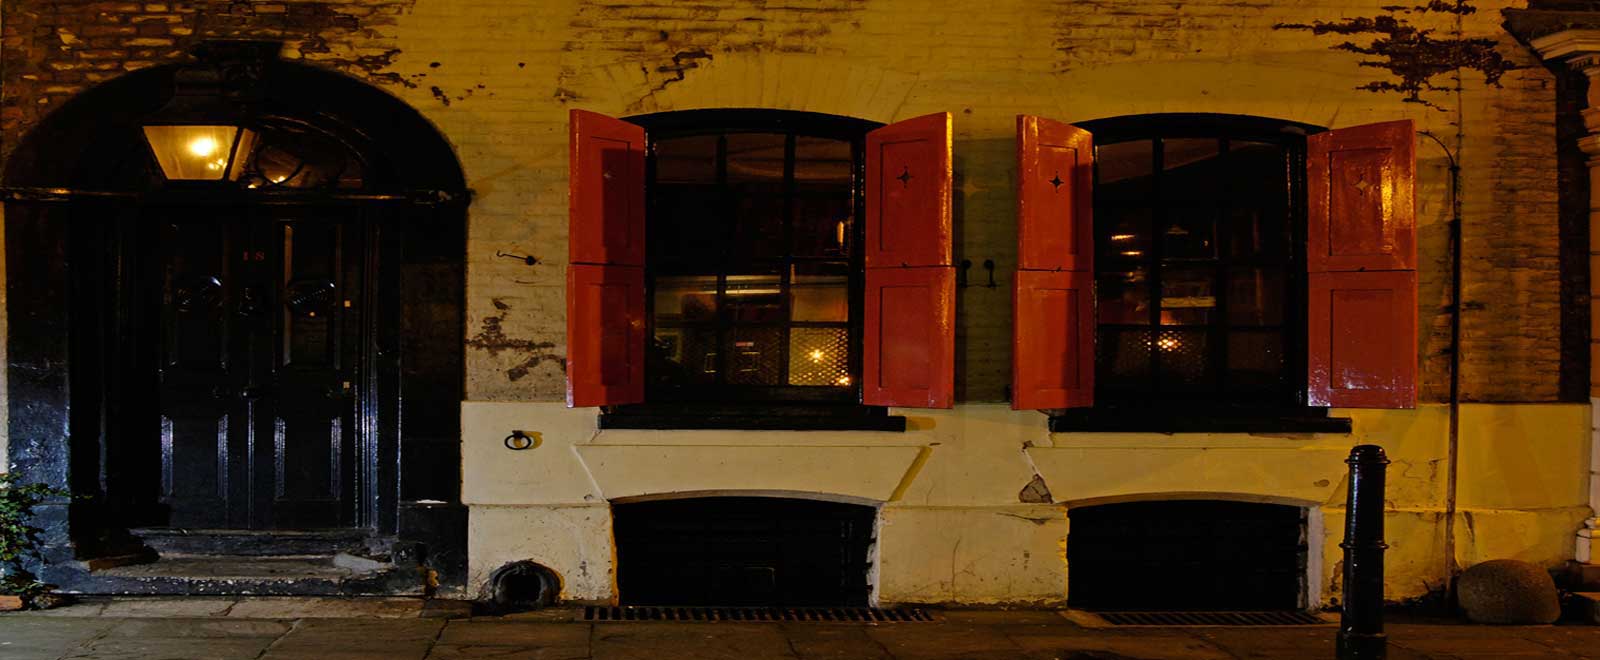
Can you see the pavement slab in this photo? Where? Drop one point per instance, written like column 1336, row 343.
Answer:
column 302, row 629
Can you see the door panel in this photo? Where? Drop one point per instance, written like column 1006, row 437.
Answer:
column 260, row 341
column 317, row 266
column 203, row 458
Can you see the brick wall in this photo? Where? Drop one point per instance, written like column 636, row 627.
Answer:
column 497, row 76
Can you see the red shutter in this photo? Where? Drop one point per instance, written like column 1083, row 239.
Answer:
column 1053, row 314
column 605, row 191
column 605, row 273
column 908, row 193
column 1055, row 176
column 909, row 357
column 1362, row 255
column 1052, row 361
column 909, row 360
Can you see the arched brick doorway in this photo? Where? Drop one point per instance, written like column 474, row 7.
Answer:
column 201, row 358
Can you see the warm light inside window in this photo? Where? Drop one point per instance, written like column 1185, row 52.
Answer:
column 199, row 152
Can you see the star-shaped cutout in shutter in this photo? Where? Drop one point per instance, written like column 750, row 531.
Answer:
column 905, row 177
column 1361, row 185
column 1056, row 181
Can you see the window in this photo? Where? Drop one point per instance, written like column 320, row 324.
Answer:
column 1195, row 265
column 759, row 256
column 754, row 262
column 1199, row 262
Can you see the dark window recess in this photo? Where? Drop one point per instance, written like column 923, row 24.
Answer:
column 754, row 267
column 1199, row 264
column 743, row 551
column 1186, row 555
column 752, row 416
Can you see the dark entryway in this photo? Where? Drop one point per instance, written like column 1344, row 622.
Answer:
column 251, row 323
column 1186, row 555
column 743, row 551
column 251, row 355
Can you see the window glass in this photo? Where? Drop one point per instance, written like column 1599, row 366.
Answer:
column 1198, row 296
column 754, row 262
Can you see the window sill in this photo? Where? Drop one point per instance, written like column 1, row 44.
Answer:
column 1170, row 421
column 751, row 417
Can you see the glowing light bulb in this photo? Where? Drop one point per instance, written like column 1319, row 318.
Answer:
column 1169, row 343
column 843, row 380
column 816, row 355
column 203, row 146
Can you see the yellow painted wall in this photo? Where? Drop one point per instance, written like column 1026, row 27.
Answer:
column 953, row 527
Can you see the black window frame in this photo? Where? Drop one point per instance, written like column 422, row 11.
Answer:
column 1151, row 409
column 724, row 405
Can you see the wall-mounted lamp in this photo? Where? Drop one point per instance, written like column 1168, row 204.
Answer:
column 202, row 133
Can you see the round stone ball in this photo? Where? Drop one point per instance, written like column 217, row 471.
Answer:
column 1508, row 591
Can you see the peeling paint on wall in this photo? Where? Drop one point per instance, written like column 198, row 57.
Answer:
column 1414, row 55
column 492, row 339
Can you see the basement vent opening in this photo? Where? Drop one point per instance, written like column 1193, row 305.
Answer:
column 760, row 614
column 1270, row 618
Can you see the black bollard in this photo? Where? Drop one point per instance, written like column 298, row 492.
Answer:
column 1361, row 621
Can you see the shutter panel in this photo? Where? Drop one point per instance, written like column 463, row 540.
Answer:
column 605, row 335
column 909, row 356
column 1053, row 313
column 605, row 191
column 605, row 271
column 908, row 193
column 910, row 338
column 1361, row 258
column 1052, row 361
column 1055, row 179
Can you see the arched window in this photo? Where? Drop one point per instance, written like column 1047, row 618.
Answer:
column 1199, row 241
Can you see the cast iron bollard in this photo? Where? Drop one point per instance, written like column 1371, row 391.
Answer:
column 1361, row 621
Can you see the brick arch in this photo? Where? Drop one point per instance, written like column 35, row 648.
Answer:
column 812, row 83
column 1279, row 89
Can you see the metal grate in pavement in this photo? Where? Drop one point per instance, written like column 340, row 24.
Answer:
column 759, row 614
column 1266, row 618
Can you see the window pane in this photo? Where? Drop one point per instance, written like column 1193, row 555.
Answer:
column 686, row 222
column 1189, row 233
column 1191, row 167
column 823, row 223
column 1257, row 233
column 1123, row 297
column 1256, row 170
column 758, row 221
column 1255, row 360
column 1188, row 295
column 1184, row 359
column 684, row 356
column 755, row 356
column 1123, row 359
column 687, row 160
column 1123, row 170
column 755, row 298
column 686, row 298
column 822, row 161
column 1255, row 296
column 819, row 356
column 821, row 292
column 756, row 157
column 1124, row 232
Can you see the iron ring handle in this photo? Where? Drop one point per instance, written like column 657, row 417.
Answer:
column 519, row 441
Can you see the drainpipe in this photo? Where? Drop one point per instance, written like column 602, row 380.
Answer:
column 1453, row 433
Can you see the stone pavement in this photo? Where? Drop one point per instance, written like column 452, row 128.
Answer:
column 340, row 629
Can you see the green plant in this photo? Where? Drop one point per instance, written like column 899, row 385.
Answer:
column 19, row 539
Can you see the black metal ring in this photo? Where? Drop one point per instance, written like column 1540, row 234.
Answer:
column 519, row 441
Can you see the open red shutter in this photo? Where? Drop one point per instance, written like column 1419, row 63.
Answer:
column 1053, row 317
column 1361, row 253
column 909, row 357
column 605, row 271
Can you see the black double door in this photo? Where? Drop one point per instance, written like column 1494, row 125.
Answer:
column 258, row 360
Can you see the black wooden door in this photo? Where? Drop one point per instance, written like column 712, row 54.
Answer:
column 261, row 347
